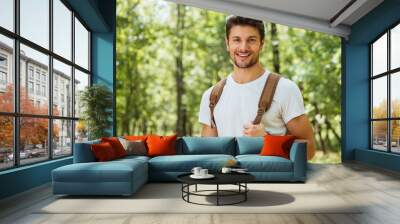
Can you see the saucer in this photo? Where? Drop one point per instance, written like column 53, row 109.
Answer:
column 208, row 176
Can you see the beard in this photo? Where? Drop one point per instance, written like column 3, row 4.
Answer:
column 246, row 63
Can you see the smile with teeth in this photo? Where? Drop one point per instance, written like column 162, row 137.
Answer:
column 243, row 55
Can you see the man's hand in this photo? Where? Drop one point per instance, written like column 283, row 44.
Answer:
column 208, row 131
column 254, row 130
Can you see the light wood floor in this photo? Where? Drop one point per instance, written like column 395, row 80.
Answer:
column 377, row 188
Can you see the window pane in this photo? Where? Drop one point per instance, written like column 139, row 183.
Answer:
column 33, row 139
column 62, row 138
column 35, row 21
column 395, row 94
column 81, row 131
column 379, row 55
column 6, row 74
column 395, row 136
column 379, row 97
column 81, row 81
column 7, row 14
column 379, row 135
column 62, row 29
column 6, row 142
column 395, row 47
column 81, row 45
column 62, row 89
column 34, row 80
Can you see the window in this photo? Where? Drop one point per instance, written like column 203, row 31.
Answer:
column 3, row 72
column 45, row 131
column 3, row 78
column 62, row 74
column 37, row 74
column 30, row 72
column 6, row 73
column 43, row 90
column 81, row 45
column 7, row 14
column 30, row 87
column 38, row 89
column 34, row 21
column 3, row 61
column 6, row 142
column 385, row 94
column 62, row 31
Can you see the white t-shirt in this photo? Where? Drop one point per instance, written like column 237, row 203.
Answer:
column 238, row 106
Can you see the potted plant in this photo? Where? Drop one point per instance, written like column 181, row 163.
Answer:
column 96, row 103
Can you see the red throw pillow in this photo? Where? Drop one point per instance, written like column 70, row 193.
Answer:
column 277, row 145
column 161, row 145
column 103, row 152
column 116, row 145
column 136, row 137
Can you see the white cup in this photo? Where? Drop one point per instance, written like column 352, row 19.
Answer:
column 226, row 170
column 203, row 172
column 196, row 170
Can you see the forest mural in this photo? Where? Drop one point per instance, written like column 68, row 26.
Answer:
column 168, row 54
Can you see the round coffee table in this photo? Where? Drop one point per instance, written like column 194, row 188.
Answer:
column 238, row 179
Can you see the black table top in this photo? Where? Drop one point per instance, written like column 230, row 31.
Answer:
column 220, row 178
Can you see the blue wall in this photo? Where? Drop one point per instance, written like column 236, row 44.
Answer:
column 355, row 111
column 99, row 16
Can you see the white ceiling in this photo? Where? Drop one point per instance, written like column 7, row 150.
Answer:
column 317, row 15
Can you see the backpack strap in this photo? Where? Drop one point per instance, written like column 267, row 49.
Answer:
column 266, row 96
column 216, row 93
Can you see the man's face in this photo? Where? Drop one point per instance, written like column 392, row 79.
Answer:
column 244, row 45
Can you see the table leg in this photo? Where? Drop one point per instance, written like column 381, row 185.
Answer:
column 245, row 193
column 217, row 194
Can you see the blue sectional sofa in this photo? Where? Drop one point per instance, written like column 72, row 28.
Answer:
column 125, row 176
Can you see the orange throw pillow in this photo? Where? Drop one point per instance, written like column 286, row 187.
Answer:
column 161, row 145
column 103, row 152
column 277, row 145
column 136, row 137
column 116, row 145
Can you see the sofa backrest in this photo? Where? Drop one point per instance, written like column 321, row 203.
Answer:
column 190, row 146
column 249, row 145
column 206, row 145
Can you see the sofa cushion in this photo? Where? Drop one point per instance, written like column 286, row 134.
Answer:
column 257, row 163
column 161, row 145
column 206, row 145
column 112, row 171
column 185, row 163
column 103, row 152
column 277, row 145
column 136, row 147
column 116, row 145
column 249, row 145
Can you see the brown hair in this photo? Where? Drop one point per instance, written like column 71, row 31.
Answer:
column 243, row 21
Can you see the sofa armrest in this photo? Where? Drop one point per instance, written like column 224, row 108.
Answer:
column 83, row 152
column 298, row 155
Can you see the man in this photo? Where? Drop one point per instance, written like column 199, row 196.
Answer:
column 238, row 103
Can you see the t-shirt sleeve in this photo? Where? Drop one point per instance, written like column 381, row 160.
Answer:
column 292, row 105
column 204, row 112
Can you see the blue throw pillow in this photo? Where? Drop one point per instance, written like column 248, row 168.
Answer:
column 206, row 145
column 249, row 145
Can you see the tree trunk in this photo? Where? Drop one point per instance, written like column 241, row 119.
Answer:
column 275, row 48
column 180, row 26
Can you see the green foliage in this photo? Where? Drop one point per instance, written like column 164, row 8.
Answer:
column 159, row 57
column 96, row 102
